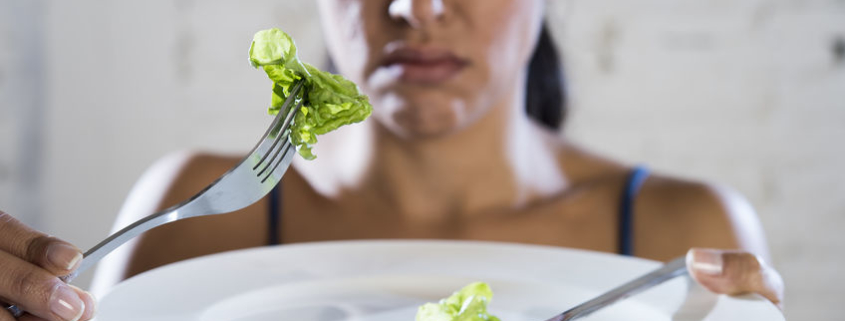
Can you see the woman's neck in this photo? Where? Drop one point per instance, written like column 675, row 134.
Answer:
column 503, row 160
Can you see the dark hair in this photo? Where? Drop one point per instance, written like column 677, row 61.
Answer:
column 545, row 97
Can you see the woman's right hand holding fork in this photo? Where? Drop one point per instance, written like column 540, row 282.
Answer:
column 31, row 263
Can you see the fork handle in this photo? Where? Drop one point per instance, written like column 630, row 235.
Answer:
column 668, row 271
column 96, row 253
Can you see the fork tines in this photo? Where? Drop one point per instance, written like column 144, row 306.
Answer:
column 281, row 129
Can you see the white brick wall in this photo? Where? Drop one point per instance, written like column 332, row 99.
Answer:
column 7, row 129
column 746, row 93
column 22, row 104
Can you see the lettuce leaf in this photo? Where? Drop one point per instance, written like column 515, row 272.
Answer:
column 329, row 100
column 467, row 304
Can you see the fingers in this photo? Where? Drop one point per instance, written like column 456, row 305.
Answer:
column 5, row 315
column 29, row 264
column 30, row 317
column 54, row 255
column 89, row 301
column 39, row 292
column 735, row 273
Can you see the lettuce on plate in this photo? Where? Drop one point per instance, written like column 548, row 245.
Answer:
column 329, row 101
column 467, row 304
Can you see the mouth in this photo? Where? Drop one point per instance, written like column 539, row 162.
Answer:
column 424, row 65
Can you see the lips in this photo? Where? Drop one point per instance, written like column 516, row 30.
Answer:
column 425, row 65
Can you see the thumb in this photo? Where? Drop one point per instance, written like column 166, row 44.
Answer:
column 735, row 273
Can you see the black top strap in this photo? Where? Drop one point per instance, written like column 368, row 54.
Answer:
column 274, row 215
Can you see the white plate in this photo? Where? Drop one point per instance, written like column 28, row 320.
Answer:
column 388, row 280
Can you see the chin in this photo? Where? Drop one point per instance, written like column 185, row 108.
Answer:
column 408, row 125
column 421, row 121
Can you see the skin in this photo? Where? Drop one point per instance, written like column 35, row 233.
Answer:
column 455, row 159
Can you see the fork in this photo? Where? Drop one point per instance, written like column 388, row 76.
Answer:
column 246, row 183
column 674, row 268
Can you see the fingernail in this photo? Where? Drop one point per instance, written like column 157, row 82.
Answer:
column 90, row 303
column 63, row 255
column 705, row 261
column 65, row 303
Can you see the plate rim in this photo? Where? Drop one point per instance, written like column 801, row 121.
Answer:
column 384, row 243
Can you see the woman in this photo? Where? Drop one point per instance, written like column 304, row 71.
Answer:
column 450, row 153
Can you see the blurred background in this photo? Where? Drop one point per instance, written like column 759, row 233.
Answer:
column 745, row 93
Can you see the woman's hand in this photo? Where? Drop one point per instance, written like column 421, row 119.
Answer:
column 734, row 273
column 30, row 263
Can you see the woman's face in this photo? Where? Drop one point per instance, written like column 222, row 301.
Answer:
column 431, row 67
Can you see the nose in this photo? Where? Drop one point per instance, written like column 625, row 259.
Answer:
column 417, row 13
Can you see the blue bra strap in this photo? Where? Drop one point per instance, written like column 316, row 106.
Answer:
column 626, row 215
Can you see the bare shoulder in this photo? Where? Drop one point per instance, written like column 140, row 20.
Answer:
column 170, row 180
column 585, row 167
column 673, row 215
column 183, row 174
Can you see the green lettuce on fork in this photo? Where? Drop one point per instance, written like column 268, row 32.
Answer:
column 467, row 304
column 329, row 100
